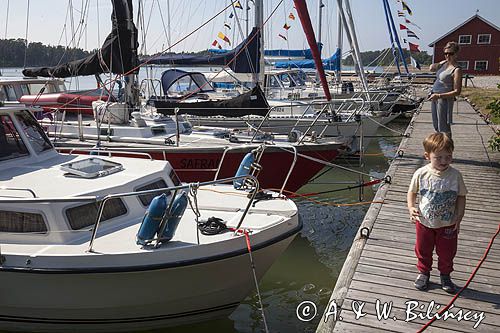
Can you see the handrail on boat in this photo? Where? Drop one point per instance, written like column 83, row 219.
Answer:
column 19, row 189
column 103, row 150
column 105, row 199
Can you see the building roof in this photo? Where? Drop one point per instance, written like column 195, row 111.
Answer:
column 464, row 23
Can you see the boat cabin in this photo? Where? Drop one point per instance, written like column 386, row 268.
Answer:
column 14, row 88
column 47, row 197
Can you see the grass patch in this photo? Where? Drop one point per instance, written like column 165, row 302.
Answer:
column 482, row 98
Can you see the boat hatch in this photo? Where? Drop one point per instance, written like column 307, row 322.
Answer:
column 92, row 167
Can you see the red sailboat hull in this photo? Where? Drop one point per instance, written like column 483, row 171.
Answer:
column 195, row 165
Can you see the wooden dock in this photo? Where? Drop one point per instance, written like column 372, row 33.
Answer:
column 381, row 268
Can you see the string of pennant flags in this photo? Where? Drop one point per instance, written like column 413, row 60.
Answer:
column 413, row 47
column 287, row 26
column 227, row 25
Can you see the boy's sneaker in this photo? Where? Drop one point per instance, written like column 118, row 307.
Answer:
column 448, row 285
column 422, row 281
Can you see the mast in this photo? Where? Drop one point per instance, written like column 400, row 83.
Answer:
column 354, row 38
column 340, row 39
column 305, row 20
column 396, row 59
column 396, row 36
column 320, row 19
column 258, row 78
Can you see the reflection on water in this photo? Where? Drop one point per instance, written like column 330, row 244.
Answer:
column 309, row 268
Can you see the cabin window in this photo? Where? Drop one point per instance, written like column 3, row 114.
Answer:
column 11, row 145
column 10, row 92
column 24, row 89
column 484, row 38
column 175, row 178
column 465, row 39
column 147, row 198
column 463, row 64
column 11, row 221
column 39, row 141
column 36, row 88
column 86, row 215
column 273, row 82
column 481, row 65
column 202, row 82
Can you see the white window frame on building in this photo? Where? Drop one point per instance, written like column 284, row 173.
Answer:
column 482, row 35
column 479, row 61
column 463, row 43
column 465, row 62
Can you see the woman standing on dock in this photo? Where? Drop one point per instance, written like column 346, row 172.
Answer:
column 448, row 84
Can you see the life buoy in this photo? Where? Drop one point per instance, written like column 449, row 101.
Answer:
column 152, row 218
column 243, row 170
column 178, row 207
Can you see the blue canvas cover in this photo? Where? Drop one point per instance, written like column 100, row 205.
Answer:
column 332, row 63
column 242, row 59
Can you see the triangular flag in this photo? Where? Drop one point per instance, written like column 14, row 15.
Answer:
column 291, row 16
column 223, row 37
column 401, row 14
column 238, row 5
column 405, row 7
column 219, row 46
column 411, row 34
column 413, row 47
column 282, row 36
column 286, row 26
column 231, row 15
column 214, row 43
column 410, row 22
column 227, row 26
column 402, row 27
column 415, row 63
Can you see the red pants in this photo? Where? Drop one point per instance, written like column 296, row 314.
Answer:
column 444, row 239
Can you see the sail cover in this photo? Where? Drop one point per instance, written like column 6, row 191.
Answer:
column 242, row 59
column 306, row 54
column 118, row 53
column 332, row 63
column 251, row 103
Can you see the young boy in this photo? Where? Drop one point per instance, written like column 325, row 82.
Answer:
column 440, row 211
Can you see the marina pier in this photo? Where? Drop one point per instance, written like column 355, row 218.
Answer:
column 380, row 267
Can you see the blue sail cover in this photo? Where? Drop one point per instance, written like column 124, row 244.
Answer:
column 332, row 63
column 242, row 59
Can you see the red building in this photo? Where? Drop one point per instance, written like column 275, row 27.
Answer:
column 479, row 42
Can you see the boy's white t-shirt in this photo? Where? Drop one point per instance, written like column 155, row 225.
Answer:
column 438, row 192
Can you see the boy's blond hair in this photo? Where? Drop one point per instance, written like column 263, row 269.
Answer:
column 437, row 142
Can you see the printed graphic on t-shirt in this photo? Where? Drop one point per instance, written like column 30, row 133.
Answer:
column 438, row 206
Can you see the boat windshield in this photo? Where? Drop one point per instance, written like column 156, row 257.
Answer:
column 299, row 78
column 35, row 134
column 194, row 83
column 11, row 144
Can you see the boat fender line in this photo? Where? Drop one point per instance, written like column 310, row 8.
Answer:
column 178, row 207
column 212, row 226
column 152, row 219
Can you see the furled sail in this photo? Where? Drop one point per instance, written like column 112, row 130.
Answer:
column 306, row 54
column 242, row 59
column 118, row 53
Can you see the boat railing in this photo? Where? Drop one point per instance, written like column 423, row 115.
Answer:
column 262, row 147
column 19, row 189
column 175, row 189
column 101, row 150
column 323, row 104
column 148, row 86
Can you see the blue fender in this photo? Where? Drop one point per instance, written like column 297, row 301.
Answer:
column 243, row 170
column 152, row 219
column 178, row 207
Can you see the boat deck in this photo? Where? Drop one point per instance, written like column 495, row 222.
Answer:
column 381, row 267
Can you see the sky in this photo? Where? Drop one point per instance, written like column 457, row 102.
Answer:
column 86, row 23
